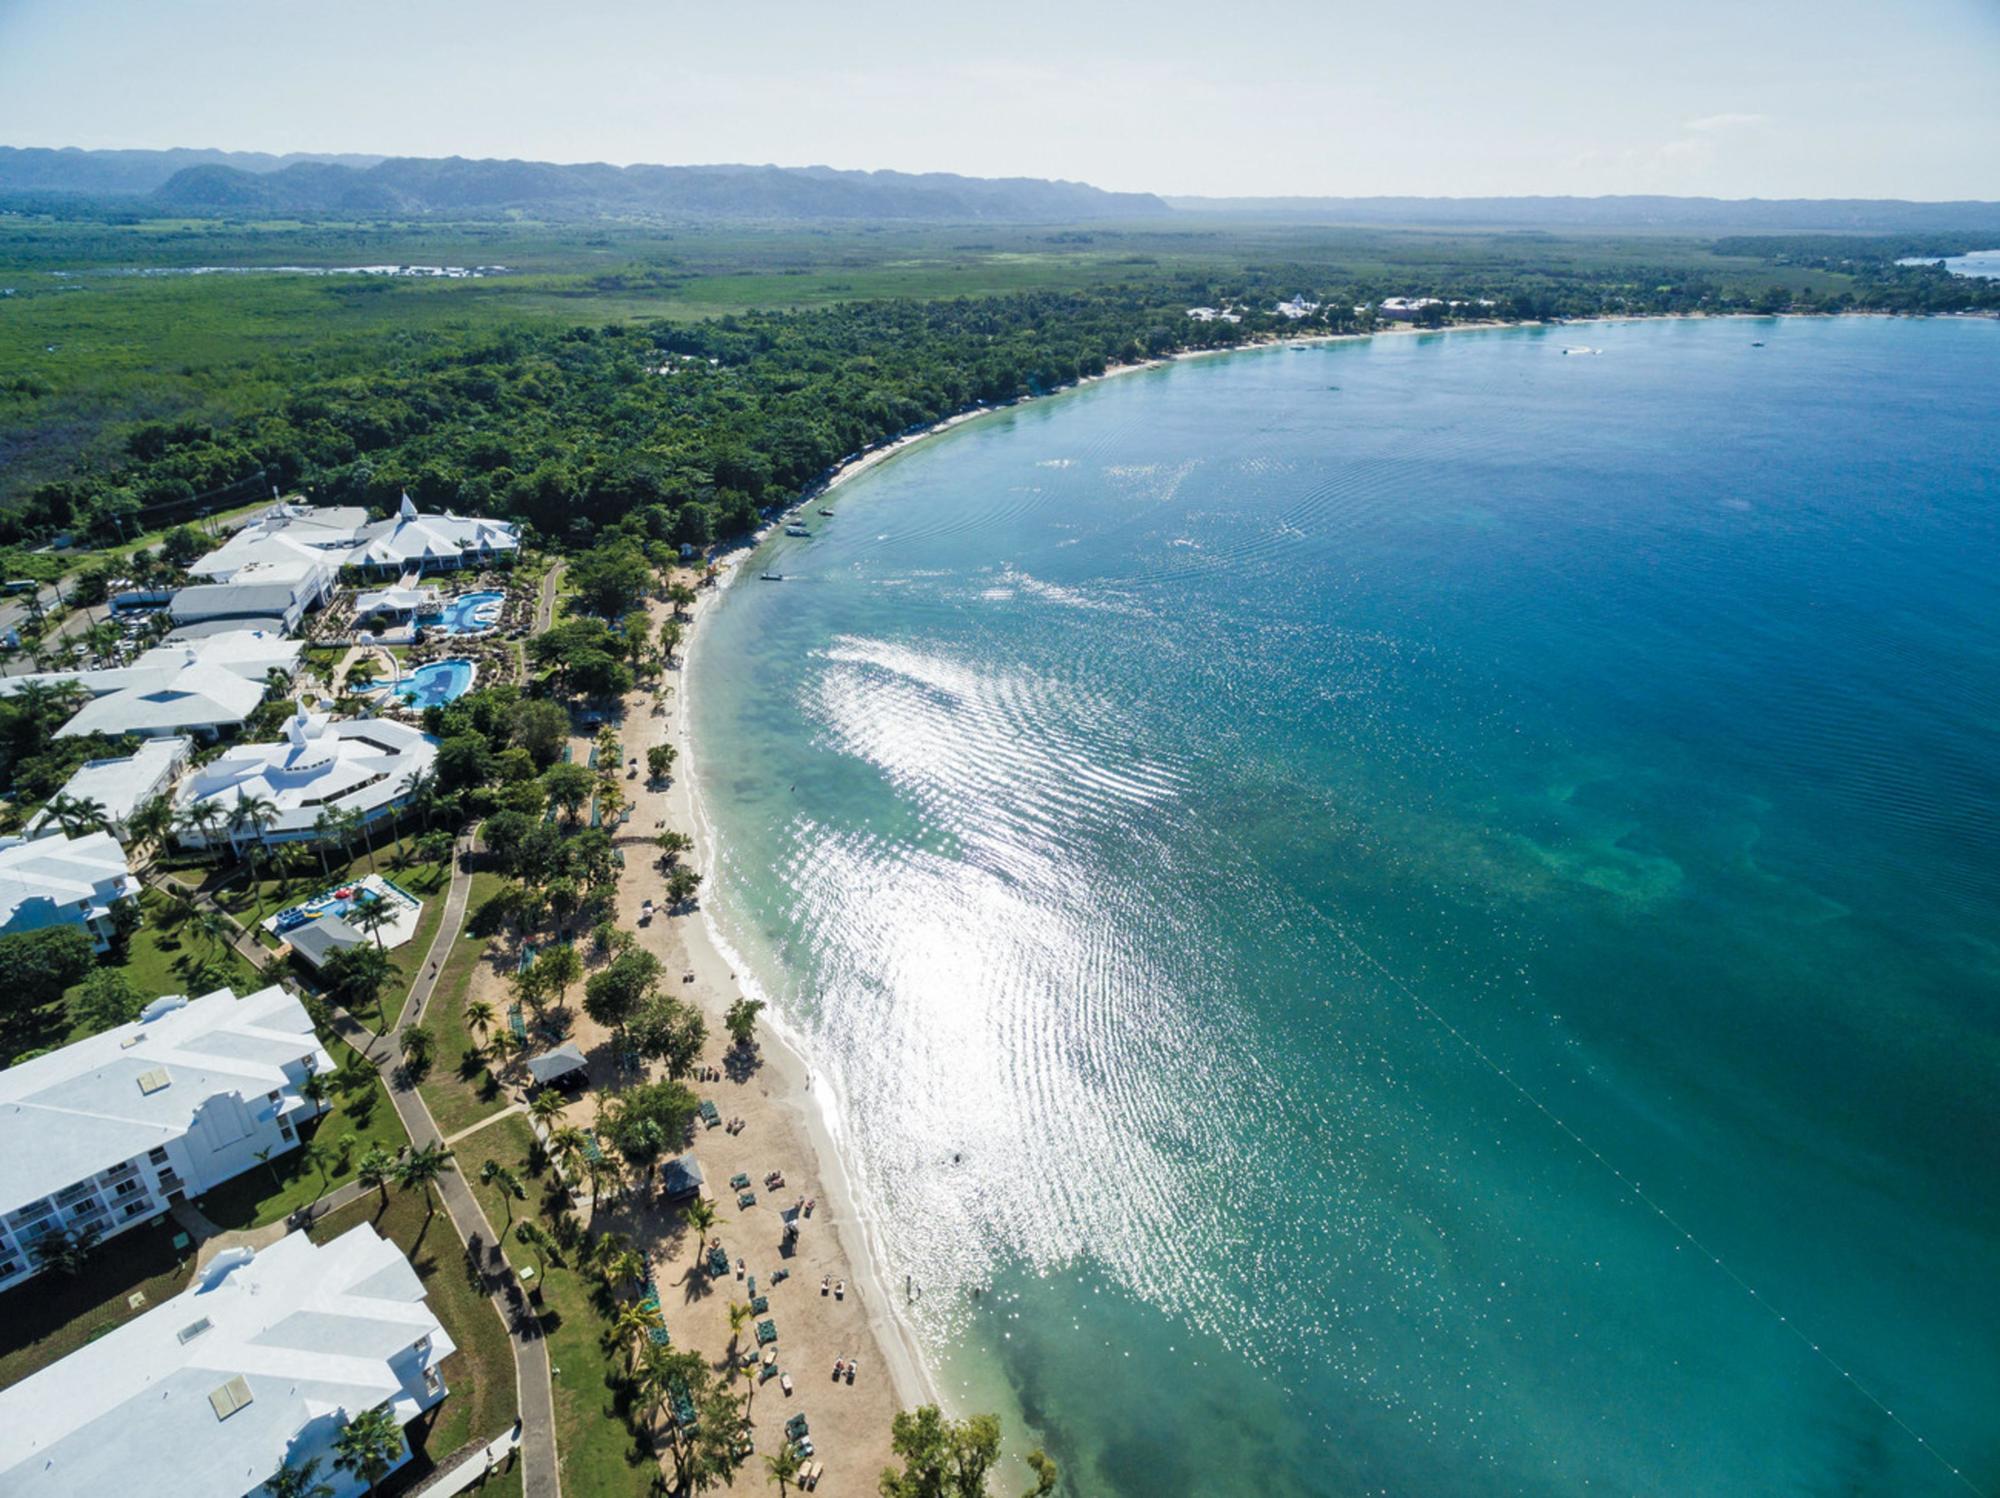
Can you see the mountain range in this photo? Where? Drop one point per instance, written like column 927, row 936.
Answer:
column 245, row 183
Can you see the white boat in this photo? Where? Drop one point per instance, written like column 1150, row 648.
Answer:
column 797, row 530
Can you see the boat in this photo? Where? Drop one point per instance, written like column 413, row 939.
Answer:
column 827, row 513
column 771, row 577
column 1756, row 343
column 797, row 530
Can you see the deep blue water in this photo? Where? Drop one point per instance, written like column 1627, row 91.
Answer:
column 1418, row 916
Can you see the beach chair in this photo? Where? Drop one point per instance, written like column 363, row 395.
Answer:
column 657, row 1335
column 746, row 1198
column 795, row 1427
column 517, row 1025
column 740, row 1181
column 751, row 1284
column 710, row 1114
column 759, row 1304
column 767, row 1331
column 718, row 1263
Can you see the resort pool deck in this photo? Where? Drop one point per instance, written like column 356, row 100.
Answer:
column 437, row 683
column 340, row 902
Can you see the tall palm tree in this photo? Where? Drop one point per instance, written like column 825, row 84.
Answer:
column 700, row 1215
column 355, row 821
column 202, row 818
column 152, row 822
column 368, row 1445
column 500, row 1178
column 635, row 1324
column 256, row 813
column 77, row 816
column 421, row 795
column 547, row 1107
column 302, row 1481
column 370, row 916
column 377, row 1169
column 419, row 1168
column 214, row 929
column 316, row 1156
column 784, row 1467
column 479, row 1015
column 326, row 827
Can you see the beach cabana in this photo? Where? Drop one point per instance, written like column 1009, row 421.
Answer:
column 562, row 1067
column 680, row 1178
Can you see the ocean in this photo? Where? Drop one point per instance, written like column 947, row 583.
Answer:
column 1417, row 916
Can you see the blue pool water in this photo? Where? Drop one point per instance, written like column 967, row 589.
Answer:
column 1419, row 917
column 437, row 683
column 462, row 615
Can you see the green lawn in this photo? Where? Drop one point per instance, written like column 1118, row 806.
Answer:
column 50, row 1317
column 267, row 1194
column 480, row 1375
column 598, row 1452
column 162, row 957
column 460, row 1093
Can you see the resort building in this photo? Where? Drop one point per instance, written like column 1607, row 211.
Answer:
column 258, row 1364
column 64, row 881
column 271, row 595
column 205, row 687
column 1296, row 308
column 408, row 542
column 1407, row 308
column 121, row 786
column 104, row 1133
column 355, row 765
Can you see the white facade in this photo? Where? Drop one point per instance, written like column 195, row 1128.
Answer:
column 259, row 1363
column 64, row 881
column 122, row 786
column 279, row 591
column 205, row 687
column 364, row 765
column 101, row 1133
column 1406, row 308
column 408, row 541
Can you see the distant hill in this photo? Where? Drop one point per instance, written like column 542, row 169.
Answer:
column 1872, row 215
column 167, row 182
column 108, row 173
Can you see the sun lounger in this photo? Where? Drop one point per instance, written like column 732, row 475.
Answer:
column 796, row 1426
column 767, row 1331
column 740, row 1181
column 759, row 1304
column 746, row 1198
column 718, row 1262
column 785, row 1382
column 710, row 1114
column 657, row 1335
column 751, row 1284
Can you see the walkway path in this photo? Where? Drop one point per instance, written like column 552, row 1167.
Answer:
column 447, row 930
column 491, row 1458
column 487, row 1122
column 545, row 606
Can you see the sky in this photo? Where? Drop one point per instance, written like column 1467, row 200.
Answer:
column 1771, row 98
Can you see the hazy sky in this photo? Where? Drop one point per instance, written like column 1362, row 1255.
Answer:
column 1808, row 98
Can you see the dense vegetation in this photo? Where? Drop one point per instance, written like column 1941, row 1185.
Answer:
column 144, row 395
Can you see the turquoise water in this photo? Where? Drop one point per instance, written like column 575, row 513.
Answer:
column 435, row 684
column 1420, row 916
column 461, row 615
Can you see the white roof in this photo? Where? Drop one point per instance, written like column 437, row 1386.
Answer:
column 186, row 684
column 343, row 535
column 77, row 1111
column 317, row 1333
column 356, row 764
column 410, row 537
column 121, row 786
column 39, row 878
column 260, row 588
column 401, row 600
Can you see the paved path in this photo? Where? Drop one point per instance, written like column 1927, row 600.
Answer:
column 488, row 1121
column 545, row 606
column 447, row 931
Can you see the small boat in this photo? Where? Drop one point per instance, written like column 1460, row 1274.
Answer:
column 827, row 513
column 771, row 577
column 797, row 530
column 1756, row 343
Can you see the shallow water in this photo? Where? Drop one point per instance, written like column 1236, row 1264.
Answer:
column 1419, row 916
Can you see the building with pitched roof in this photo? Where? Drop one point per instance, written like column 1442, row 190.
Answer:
column 205, row 687
column 104, row 1133
column 258, row 1364
column 364, row 765
column 409, row 541
column 121, row 786
column 64, row 881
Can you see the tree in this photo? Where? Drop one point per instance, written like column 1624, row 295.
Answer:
column 355, row 978
column 610, row 579
column 479, row 1015
column 463, row 761
column 254, row 814
column 942, row 1458
column 636, row 1321
column 77, row 816
column 560, row 967
column 151, row 823
column 668, row 1030
column 570, row 787
column 539, row 1245
column 36, row 966
column 503, row 1180
column 418, row 1045
column 419, row 1168
column 369, row 1445
column 66, row 1253
column 615, row 993
column 106, row 1000
column 316, row 1156
column 682, row 882
column 542, row 728
column 371, row 915
column 673, row 845
column 302, row 1481
column 1047, row 1474
column 377, row 1169
column 741, row 1021
column 784, row 1467
column 700, row 1216
column 644, row 1120
column 660, row 761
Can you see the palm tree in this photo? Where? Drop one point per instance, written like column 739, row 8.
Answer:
column 784, row 1467
column 326, row 827
column 503, row 1180
column 418, row 1168
column 301, row 1481
column 421, row 793
column 419, row 1045
column 479, row 1015
column 213, row 927
column 152, row 822
column 377, row 1169
column 547, row 1107
column 739, row 1317
column 256, row 813
column 355, row 821
column 368, row 1445
column 634, row 1326
column 316, row 1156
column 371, row 916
column 77, row 816
column 700, row 1215
column 202, row 818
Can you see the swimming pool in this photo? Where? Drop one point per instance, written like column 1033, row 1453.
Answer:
column 467, row 614
column 436, row 684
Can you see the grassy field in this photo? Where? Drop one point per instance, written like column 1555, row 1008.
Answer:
column 50, row 1317
column 597, row 1449
column 459, row 1091
column 480, row 1375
